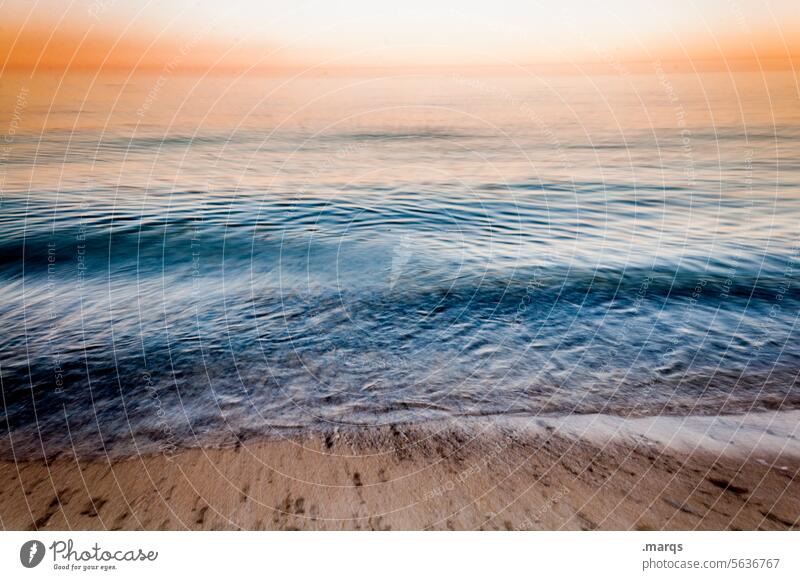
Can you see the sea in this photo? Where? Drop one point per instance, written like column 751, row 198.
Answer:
column 191, row 260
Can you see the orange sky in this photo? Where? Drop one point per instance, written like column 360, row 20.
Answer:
column 240, row 34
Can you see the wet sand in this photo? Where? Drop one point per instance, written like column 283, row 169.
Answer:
column 591, row 472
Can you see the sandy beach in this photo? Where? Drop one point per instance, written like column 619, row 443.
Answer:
column 584, row 472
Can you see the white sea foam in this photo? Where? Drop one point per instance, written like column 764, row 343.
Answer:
column 763, row 434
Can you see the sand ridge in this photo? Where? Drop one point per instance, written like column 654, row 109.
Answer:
column 482, row 475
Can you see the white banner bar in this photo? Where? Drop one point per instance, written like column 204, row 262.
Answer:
column 351, row 555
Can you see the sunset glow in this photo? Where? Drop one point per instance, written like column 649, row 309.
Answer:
column 107, row 35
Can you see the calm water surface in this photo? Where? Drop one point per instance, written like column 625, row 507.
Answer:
column 186, row 261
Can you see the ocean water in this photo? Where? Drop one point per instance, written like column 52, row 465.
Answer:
column 191, row 261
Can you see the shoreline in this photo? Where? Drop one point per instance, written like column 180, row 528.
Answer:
column 577, row 472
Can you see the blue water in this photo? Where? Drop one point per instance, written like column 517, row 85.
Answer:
column 240, row 258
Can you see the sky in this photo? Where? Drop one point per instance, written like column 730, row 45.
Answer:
column 275, row 34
